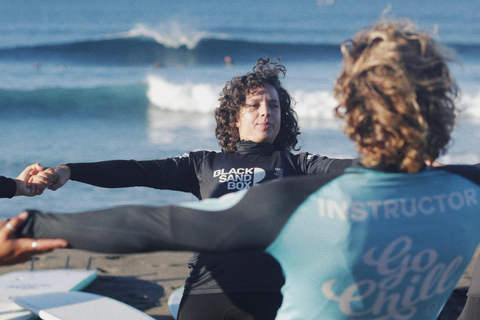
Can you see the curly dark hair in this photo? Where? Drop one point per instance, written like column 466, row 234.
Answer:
column 233, row 97
column 396, row 95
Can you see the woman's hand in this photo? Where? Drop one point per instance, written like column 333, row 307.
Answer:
column 15, row 250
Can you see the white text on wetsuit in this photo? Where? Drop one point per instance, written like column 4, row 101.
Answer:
column 416, row 276
column 239, row 178
column 396, row 208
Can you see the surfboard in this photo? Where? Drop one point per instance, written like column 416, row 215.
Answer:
column 78, row 306
column 174, row 301
column 29, row 282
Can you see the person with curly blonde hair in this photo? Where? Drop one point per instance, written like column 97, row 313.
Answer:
column 396, row 95
column 387, row 238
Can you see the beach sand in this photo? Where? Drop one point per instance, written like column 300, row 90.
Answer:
column 145, row 281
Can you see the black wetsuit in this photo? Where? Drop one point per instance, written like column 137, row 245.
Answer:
column 208, row 174
column 8, row 187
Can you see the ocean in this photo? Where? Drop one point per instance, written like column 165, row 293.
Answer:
column 139, row 79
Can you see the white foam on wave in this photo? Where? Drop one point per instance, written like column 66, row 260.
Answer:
column 320, row 104
column 203, row 98
column 185, row 97
column 470, row 106
column 172, row 34
column 314, row 104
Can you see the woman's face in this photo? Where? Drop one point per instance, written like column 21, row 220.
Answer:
column 259, row 119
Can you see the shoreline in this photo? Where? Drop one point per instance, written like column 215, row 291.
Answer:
column 146, row 280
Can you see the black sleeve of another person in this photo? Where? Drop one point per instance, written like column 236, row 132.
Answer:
column 8, row 187
column 252, row 223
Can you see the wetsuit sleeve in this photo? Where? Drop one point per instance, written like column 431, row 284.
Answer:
column 242, row 221
column 310, row 163
column 8, row 187
column 173, row 173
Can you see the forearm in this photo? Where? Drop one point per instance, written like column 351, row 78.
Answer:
column 126, row 229
column 117, row 173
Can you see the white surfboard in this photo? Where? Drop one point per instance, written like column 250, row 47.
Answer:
column 28, row 282
column 174, row 301
column 78, row 306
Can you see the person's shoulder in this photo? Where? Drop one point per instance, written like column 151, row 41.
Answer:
column 202, row 154
column 195, row 153
column 459, row 168
column 306, row 155
column 470, row 172
column 207, row 152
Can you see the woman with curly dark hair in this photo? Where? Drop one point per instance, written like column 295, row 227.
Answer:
column 233, row 107
column 256, row 128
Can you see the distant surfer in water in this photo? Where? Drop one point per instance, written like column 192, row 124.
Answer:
column 228, row 61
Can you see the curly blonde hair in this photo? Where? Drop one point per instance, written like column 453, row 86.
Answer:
column 396, row 95
column 233, row 97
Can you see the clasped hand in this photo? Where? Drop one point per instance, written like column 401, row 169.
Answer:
column 51, row 178
column 33, row 180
